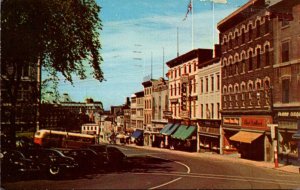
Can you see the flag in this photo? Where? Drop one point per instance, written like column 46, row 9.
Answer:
column 189, row 9
column 216, row 1
column 219, row 1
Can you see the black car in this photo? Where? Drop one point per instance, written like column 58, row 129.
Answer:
column 111, row 154
column 87, row 159
column 14, row 164
column 52, row 162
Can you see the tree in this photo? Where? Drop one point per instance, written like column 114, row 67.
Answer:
column 61, row 36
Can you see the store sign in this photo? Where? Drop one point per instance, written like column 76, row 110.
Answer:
column 256, row 122
column 184, row 113
column 289, row 114
column 231, row 121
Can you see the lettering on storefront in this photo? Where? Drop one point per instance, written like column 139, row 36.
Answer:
column 184, row 96
column 289, row 114
column 256, row 122
column 231, row 121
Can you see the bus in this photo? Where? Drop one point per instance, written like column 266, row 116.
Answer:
column 62, row 139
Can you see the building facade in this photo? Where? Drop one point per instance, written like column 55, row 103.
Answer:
column 183, row 104
column 209, row 103
column 286, row 26
column 247, row 62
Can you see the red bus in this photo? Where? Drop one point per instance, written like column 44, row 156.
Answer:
column 62, row 139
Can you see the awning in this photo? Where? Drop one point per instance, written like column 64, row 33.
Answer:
column 172, row 129
column 245, row 137
column 184, row 132
column 169, row 129
column 166, row 128
column 296, row 135
column 137, row 134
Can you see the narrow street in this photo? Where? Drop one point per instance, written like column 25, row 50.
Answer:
column 154, row 169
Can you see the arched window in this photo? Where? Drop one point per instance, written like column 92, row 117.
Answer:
column 258, row 86
column 243, row 35
column 236, row 39
column 250, row 61
column 257, row 28
column 250, row 33
column 267, row 54
column 258, row 61
column 267, row 25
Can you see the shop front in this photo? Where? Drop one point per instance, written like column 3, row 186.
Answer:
column 167, row 131
column 288, row 143
column 230, row 126
column 249, row 136
column 185, row 138
column 209, row 132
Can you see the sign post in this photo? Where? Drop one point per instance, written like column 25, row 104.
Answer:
column 274, row 140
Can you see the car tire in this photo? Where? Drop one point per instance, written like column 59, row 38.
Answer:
column 54, row 170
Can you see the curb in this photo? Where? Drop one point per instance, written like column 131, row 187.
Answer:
column 283, row 168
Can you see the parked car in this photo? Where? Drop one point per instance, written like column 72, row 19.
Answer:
column 111, row 154
column 14, row 164
column 52, row 162
column 87, row 159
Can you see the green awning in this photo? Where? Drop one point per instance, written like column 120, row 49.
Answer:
column 172, row 129
column 166, row 128
column 184, row 132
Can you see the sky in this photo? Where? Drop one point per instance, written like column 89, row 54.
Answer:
column 137, row 33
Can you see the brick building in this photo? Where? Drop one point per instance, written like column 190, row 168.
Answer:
column 286, row 26
column 183, row 97
column 247, row 49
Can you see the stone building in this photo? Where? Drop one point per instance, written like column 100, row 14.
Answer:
column 247, row 48
column 209, row 104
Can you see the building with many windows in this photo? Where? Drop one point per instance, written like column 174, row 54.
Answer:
column 182, row 87
column 286, row 26
column 209, row 104
column 247, row 61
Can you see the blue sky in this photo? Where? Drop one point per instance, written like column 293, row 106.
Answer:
column 135, row 29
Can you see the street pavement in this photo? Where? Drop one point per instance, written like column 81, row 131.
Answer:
column 230, row 157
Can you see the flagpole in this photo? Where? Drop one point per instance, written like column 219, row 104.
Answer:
column 213, row 25
column 192, row 24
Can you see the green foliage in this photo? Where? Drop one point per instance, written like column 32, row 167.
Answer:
column 62, row 34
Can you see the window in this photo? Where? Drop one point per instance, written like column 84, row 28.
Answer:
column 230, row 43
column 285, row 90
column 184, row 67
column 179, row 70
column 285, row 51
column 243, row 64
column 236, row 68
column 194, row 86
column 212, row 110
column 206, row 84
column 212, row 83
column 175, row 73
column 236, row 39
column 194, row 108
column 257, row 28
column 284, row 23
column 218, row 82
column 250, row 33
column 201, row 88
column 267, row 26
column 201, row 110
column 190, row 68
column 175, row 89
column 258, row 58
column 171, row 88
column 195, row 66
column 267, row 54
column 243, row 36
column 26, row 70
column 250, row 61
column 218, row 110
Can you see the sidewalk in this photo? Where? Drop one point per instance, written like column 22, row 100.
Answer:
column 232, row 158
